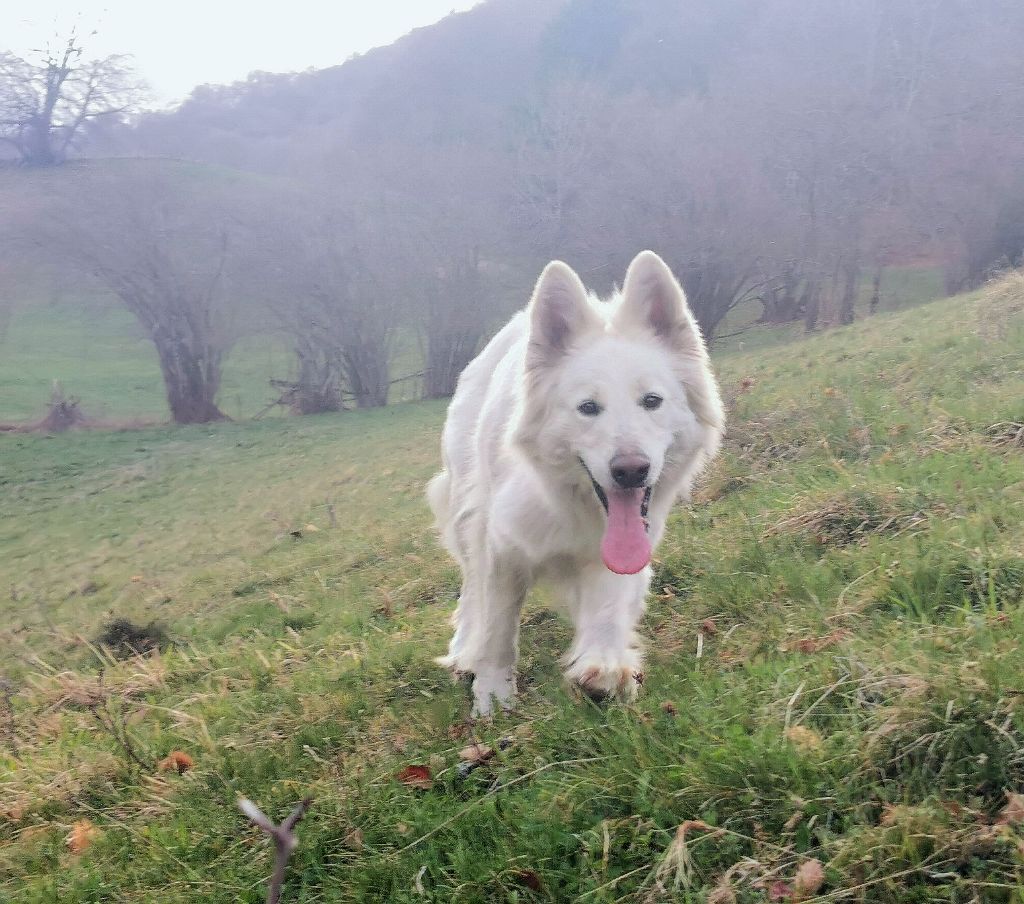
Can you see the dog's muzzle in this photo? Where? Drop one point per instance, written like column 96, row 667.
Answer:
column 599, row 490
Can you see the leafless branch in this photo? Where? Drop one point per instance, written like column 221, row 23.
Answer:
column 283, row 836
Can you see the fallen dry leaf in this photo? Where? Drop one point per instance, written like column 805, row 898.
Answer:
column 476, row 753
column 457, row 731
column 809, row 878
column 817, row 644
column 695, row 824
column 416, row 776
column 1013, row 813
column 804, row 738
column 780, row 891
column 83, row 834
column 176, row 761
column 527, row 878
column 311, row 529
column 669, row 707
column 709, row 627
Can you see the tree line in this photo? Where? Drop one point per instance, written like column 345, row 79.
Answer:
column 779, row 154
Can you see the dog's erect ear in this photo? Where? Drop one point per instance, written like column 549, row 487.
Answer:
column 653, row 298
column 559, row 312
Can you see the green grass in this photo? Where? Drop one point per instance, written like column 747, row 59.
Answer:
column 99, row 355
column 853, row 567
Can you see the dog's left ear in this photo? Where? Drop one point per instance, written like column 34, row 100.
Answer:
column 653, row 298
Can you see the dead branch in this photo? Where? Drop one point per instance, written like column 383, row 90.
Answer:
column 99, row 706
column 285, row 840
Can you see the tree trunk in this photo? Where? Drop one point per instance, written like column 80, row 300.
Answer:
column 191, row 379
column 447, row 356
column 782, row 304
column 876, row 291
column 811, row 304
column 366, row 373
column 848, row 299
column 318, row 387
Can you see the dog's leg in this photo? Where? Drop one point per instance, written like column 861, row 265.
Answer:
column 461, row 536
column 605, row 658
column 496, row 641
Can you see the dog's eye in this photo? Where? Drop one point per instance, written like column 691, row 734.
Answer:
column 651, row 401
column 590, row 408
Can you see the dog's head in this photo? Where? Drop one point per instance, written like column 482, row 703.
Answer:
column 618, row 395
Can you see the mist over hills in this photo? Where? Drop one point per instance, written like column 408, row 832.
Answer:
column 783, row 157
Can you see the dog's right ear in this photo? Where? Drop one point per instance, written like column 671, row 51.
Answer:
column 559, row 312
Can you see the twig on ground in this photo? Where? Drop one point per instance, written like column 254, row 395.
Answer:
column 284, row 838
column 100, row 708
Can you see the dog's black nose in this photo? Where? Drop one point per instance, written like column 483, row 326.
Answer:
column 630, row 471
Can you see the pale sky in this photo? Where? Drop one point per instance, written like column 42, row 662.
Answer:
column 178, row 44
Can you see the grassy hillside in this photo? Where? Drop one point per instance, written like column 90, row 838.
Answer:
column 835, row 668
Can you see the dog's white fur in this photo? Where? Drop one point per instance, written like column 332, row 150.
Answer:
column 513, row 503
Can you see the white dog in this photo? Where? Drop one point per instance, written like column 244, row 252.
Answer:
column 568, row 440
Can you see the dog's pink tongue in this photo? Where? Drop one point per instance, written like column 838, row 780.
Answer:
column 625, row 547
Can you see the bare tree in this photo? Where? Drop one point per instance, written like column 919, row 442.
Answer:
column 332, row 275
column 162, row 239
column 45, row 102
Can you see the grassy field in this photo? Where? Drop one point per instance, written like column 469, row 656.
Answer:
column 835, row 669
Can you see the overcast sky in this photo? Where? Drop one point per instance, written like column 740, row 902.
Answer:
column 179, row 44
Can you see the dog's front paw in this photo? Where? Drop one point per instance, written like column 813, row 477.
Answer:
column 490, row 685
column 600, row 679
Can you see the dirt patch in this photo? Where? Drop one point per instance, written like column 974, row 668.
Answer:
column 1006, row 434
column 852, row 516
column 124, row 638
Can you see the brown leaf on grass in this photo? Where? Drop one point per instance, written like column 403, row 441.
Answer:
column 528, row 879
column 176, row 761
column 709, row 627
column 780, row 891
column 476, row 753
column 311, row 529
column 746, row 384
column 793, row 821
column 416, row 776
column 1013, row 813
column 669, row 707
column 808, row 879
column 698, row 824
column 83, row 834
column 805, row 739
column 817, row 644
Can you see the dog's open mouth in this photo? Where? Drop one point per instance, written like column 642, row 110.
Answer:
column 625, row 547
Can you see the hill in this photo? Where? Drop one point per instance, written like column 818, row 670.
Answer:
column 834, row 674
